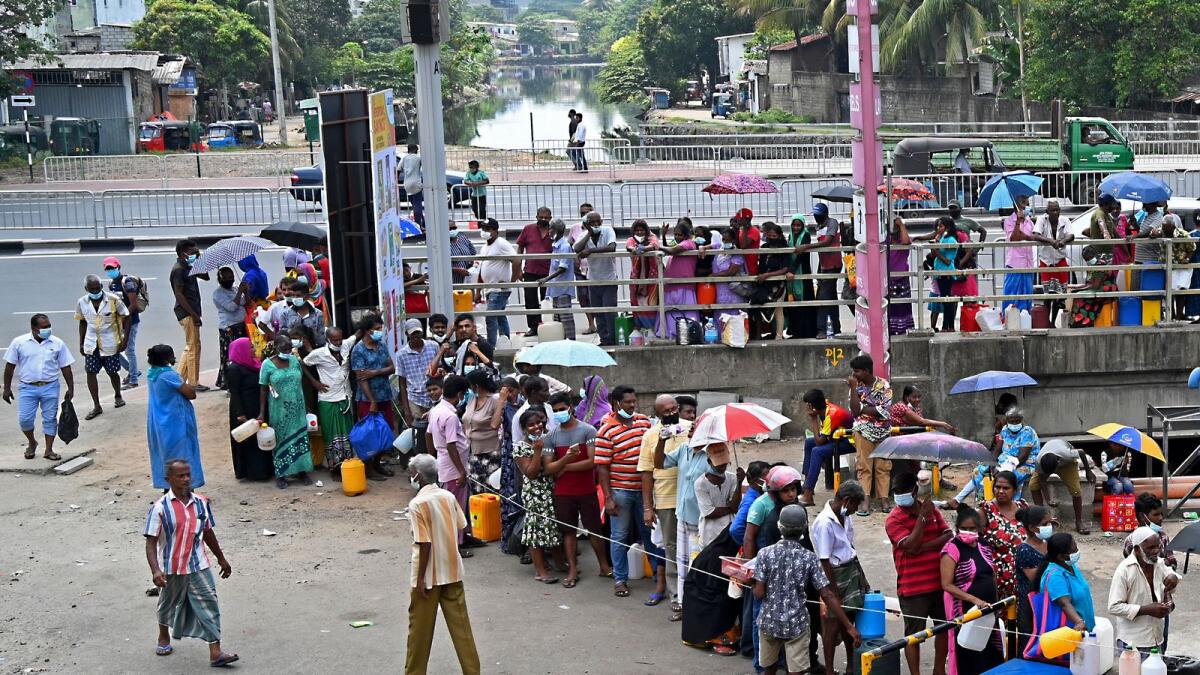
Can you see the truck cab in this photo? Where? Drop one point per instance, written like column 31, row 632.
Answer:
column 1094, row 144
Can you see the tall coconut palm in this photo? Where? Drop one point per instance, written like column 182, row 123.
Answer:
column 797, row 16
column 954, row 25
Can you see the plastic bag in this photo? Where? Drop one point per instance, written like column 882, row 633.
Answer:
column 371, row 436
column 68, row 422
column 733, row 330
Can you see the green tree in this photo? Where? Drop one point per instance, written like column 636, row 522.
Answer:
column 956, row 25
column 377, row 29
column 16, row 40
column 678, row 38
column 221, row 40
column 535, row 32
column 1071, row 48
column 348, row 63
column 624, row 74
column 1151, row 62
column 620, row 20
column 798, row 17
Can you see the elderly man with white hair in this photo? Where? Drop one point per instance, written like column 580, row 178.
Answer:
column 437, row 571
column 1139, row 598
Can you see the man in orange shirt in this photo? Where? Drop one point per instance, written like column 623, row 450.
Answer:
column 824, row 418
column 437, row 572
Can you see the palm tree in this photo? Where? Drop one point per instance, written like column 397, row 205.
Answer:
column 598, row 5
column 797, row 16
column 289, row 50
column 917, row 32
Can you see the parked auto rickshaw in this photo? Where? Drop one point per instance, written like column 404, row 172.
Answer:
column 74, row 136
column 722, row 104
column 233, row 133
column 12, row 140
column 169, row 136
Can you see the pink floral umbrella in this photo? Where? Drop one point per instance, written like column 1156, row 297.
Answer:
column 739, row 184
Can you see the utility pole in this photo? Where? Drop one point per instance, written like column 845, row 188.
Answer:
column 426, row 23
column 865, row 113
column 1021, row 62
column 280, row 105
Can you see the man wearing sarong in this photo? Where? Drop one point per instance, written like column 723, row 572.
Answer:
column 178, row 527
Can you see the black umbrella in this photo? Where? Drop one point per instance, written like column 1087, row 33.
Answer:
column 1187, row 542
column 297, row 235
column 835, row 193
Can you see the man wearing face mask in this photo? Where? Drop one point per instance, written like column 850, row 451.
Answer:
column 599, row 239
column 667, row 435
column 1139, row 599
column 718, row 495
column 371, row 366
column 132, row 291
column 497, row 272
column 231, row 315
column 560, row 281
column 300, row 312
column 574, row 496
column 829, row 236
column 452, row 449
column 412, row 369
column 38, row 357
column 1148, row 509
column 186, row 288
column 333, row 397
column 103, row 324
column 918, row 533
column 460, row 245
column 535, row 238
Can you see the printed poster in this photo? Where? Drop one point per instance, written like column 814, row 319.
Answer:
column 390, row 266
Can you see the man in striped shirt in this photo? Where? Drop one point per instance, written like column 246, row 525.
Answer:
column 437, row 572
column 618, row 447
column 178, row 527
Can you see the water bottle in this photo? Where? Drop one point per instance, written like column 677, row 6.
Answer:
column 1154, row 664
column 621, row 336
column 710, row 332
column 1103, row 458
column 828, row 328
column 1130, row 662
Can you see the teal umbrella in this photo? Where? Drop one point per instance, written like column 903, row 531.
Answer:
column 568, row 353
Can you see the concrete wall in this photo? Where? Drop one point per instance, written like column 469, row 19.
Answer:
column 1087, row 377
column 126, row 12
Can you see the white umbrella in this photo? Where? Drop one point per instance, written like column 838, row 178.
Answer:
column 733, row 421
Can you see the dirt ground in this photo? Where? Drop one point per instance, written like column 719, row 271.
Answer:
column 73, row 576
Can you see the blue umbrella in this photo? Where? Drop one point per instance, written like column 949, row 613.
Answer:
column 1135, row 186
column 992, row 379
column 1002, row 190
column 567, row 353
column 1194, row 379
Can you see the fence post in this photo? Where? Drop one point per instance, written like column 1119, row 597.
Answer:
column 98, row 215
column 1167, row 312
column 919, row 310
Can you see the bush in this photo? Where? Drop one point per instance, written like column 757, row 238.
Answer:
column 772, row 116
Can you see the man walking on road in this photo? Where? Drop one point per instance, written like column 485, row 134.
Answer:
column 186, row 289
column 178, row 527
column 103, row 324
column 39, row 356
column 437, row 572
column 132, row 292
column 410, row 178
column 600, row 238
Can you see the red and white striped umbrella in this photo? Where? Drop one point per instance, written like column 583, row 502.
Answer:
column 734, row 421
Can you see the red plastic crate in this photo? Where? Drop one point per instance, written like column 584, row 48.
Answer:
column 1116, row 514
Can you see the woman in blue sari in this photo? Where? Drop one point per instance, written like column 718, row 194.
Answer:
column 171, row 421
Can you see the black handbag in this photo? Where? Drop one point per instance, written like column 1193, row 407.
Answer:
column 68, row 422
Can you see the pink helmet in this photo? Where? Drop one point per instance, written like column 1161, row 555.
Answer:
column 780, row 477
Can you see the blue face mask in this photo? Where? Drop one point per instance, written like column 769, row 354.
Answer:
column 193, row 258
column 625, row 415
column 113, row 273
column 701, row 241
column 1157, row 528
column 1074, row 558
column 468, row 369
column 296, row 344
column 44, row 333
column 562, row 416
column 97, row 295
column 1045, row 532
column 728, row 246
column 377, row 335
column 1014, row 428
column 905, row 500
column 297, row 302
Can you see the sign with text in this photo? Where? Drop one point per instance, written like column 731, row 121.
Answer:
column 388, row 234
column 856, row 106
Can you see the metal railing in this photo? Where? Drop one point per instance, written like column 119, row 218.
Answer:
column 164, row 167
column 920, row 279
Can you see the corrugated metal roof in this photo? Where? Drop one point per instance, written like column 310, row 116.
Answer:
column 806, row 40
column 168, row 73
column 98, row 61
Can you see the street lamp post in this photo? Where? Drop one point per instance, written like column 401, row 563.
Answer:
column 865, row 113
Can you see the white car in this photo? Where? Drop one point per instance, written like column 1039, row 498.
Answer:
column 1079, row 226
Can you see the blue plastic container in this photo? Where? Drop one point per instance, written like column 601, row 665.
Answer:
column 1154, row 277
column 871, row 621
column 1129, row 311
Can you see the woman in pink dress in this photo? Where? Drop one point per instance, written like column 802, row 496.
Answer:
column 643, row 247
column 682, row 265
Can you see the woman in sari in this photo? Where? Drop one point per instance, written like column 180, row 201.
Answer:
column 316, row 288
column 257, row 290
column 900, row 314
column 595, row 406
column 968, row 580
column 726, row 264
column 801, row 321
column 241, row 376
column 682, row 265
column 1002, row 532
column 171, row 421
column 510, row 482
column 281, row 397
column 643, row 247
column 1086, row 310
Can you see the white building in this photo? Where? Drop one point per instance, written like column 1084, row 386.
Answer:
column 731, row 55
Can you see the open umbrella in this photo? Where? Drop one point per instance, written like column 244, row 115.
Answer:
column 1135, row 186
column 297, row 235
column 1002, row 190
column 933, row 446
column 567, row 353
column 1130, row 438
column 227, row 252
column 1194, row 379
column 733, row 421
column 739, row 184
column 843, row 194
column 907, row 188
column 992, row 379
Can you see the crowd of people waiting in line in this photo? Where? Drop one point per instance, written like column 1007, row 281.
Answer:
column 700, row 252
